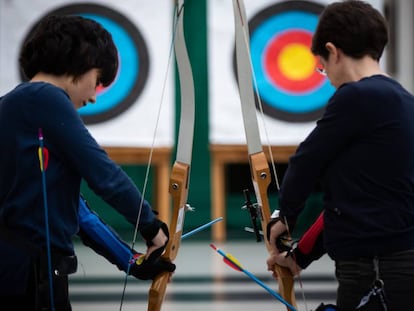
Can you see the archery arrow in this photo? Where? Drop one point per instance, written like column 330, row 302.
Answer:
column 232, row 261
column 43, row 155
column 202, row 227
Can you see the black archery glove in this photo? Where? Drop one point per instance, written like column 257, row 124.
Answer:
column 146, row 269
column 150, row 231
column 149, row 268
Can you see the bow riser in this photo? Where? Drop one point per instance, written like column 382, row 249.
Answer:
column 261, row 177
column 179, row 193
column 261, row 181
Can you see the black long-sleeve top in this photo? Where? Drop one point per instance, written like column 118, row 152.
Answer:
column 362, row 151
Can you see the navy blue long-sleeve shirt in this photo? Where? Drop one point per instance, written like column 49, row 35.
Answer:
column 362, row 150
column 73, row 155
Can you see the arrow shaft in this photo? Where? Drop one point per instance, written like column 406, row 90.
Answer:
column 202, row 227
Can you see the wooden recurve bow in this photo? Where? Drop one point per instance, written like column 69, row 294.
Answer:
column 259, row 166
column 180, row 174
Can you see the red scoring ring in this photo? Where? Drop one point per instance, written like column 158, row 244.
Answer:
column 272, row 66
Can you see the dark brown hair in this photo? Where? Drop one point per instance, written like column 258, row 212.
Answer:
column 353, row 26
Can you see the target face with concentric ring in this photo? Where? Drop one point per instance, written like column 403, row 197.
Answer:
column 133, row 62
column 284, row 68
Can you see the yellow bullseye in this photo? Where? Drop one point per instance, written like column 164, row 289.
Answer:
column 296, row 62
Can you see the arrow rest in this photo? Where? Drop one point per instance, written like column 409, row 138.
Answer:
column 189, row 208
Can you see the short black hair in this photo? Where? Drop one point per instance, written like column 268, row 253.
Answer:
column 69, row 45
column 354, row 26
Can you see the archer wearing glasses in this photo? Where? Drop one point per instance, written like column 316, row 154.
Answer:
column 362, row 152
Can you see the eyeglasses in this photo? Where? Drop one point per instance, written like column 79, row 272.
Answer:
column 321, row 71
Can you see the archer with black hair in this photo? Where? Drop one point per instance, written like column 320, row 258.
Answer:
column 64, row 59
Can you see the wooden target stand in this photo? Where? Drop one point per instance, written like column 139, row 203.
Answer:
column 223, row 155
column 161, row 158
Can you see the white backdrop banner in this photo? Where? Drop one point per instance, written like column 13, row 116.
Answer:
column 293, row 95
column 126, row 112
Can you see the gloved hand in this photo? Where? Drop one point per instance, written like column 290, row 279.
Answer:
column 149, row 268
column 149, row 232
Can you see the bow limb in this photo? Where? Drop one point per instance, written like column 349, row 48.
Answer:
column 259, row 166
column 180, row 174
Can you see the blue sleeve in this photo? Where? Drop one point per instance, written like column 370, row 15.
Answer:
column 101, row 238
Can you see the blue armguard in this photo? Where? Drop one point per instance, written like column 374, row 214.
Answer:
column 101, row 238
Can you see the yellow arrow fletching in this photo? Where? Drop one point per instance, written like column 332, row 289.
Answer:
column 233, row 260
column 40, row 154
